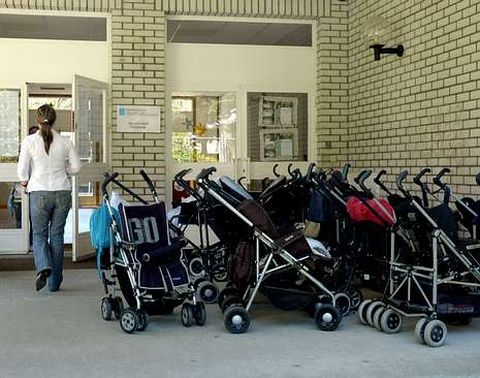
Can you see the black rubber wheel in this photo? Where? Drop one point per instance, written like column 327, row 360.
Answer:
column 129, row 320
column 187, row 314
column 342, row 302
column 236, row 319
column 228, row 291
column 208, row 292
column 196, row 267
column 198, row 281
column 232, row 300
column 200, row 313
column 106, row 308
column 327, row 317
column 356, row 297
column 117, row 306
column 143, row 320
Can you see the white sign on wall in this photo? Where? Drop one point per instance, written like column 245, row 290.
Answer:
column 138, row 119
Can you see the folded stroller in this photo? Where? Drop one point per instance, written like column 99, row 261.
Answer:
column 145, row 260
column 268, row 262
column 440, row 284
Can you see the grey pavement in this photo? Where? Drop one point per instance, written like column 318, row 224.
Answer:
column 63, row 335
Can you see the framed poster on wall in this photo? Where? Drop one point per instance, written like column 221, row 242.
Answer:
column 278, row 144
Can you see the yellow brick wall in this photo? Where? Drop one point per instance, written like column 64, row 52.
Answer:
column 419, row 110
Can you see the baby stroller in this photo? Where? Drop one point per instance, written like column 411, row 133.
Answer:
column 206, row 257
column 441, row 285
column 268, row 262
column 145, row 260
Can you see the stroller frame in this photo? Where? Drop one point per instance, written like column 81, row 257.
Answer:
column 121, row 254
column 237, row 320
column 406, row 279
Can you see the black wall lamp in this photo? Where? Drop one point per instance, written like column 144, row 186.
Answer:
column 377, row 32
column 378, row 50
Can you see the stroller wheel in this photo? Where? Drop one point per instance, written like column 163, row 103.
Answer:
column 220, row 275
column 391, row 322
column 106, row 308
column 230, row 301
column 200, row 314
column 228, row 291
column 377, row 316
column 143, row 320
column 237, row 319
column 208, row 292
column 362, row 310
column 129, row 320
column 117, row 306
column 435, row 333
column 327, row 317
column 342, row 302
column 187, row 314
column 356, row 297
column 420, row 330
column 374, row 306
column 198, row 281
column 196, row 267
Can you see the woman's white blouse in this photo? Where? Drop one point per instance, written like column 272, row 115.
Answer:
column 47, row 172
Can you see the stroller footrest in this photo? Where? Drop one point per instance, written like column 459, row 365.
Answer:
column 165, row 254
column 295, row 243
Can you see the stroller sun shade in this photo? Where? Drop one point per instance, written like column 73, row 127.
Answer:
column 160, row 265
column 376, row 211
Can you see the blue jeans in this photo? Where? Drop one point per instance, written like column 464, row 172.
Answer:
column 48, row 211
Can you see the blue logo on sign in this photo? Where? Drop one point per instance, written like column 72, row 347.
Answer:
column 122, row 111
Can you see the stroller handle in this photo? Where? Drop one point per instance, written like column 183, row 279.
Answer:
column 345, row 170
column 417, row 179
column 437, row 180
column 149, row 182
column 182, row 173
column 108, row 179
column 310, row 169
column 376, row 180
column 400, row 179
column 477, row 179
column 363, row 175
column 204, row 173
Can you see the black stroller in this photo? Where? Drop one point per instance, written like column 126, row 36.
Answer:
column 266, row 261
column 145, row 260
column 436, row 280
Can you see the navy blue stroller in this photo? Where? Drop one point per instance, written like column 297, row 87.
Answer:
column 146, row 262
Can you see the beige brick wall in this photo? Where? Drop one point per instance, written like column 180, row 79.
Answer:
column 138, row 78
column 421, row 109
column 332, row 99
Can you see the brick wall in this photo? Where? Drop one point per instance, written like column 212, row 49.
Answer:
column 138, row 77
column 421, row 109
column 332, row 99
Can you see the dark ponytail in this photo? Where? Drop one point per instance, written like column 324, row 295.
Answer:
column 46, row 117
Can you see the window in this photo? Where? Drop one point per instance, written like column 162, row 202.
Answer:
column 203, row 128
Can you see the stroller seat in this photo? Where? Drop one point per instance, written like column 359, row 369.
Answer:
column 159, row 258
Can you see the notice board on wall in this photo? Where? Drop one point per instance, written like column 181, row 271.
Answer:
column 138, row 119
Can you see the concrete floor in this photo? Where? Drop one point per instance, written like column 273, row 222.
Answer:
column 63, row 335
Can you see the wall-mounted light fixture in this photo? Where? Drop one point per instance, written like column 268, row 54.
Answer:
column 377, row 32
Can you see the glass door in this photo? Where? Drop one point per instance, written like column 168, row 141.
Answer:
column 13, row 204
column 90, row 121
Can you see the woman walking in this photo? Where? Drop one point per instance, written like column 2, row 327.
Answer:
column 45, row 164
